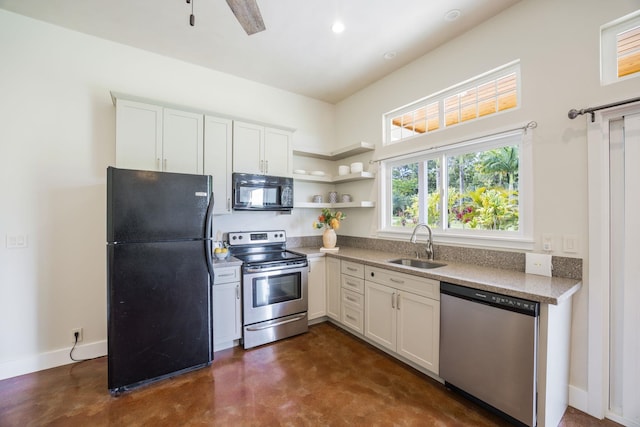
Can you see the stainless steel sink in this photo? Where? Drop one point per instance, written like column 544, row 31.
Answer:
column 417, row 263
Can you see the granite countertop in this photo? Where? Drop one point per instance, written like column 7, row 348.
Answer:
column 228, row 262
column 549, row 290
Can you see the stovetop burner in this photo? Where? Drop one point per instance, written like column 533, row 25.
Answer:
column 265, row 249
column 269, row 257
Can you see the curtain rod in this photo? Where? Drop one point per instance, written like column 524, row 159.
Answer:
column 573, row 113
column 531, row 125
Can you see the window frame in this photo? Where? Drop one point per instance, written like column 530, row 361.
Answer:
column 440, row 97
column 521, row 239
column 609, row 48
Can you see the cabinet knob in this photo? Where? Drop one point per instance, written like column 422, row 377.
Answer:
column 372, row 274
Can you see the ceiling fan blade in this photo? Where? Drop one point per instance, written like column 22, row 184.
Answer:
column 248, row 15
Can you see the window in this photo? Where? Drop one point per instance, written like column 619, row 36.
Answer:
column 474, row 188
column 620, row 49
column 487, row 94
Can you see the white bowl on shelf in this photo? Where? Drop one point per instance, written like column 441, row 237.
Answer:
column 343, row 170
column 357, row 167
column 317, row 173
column 300, row 171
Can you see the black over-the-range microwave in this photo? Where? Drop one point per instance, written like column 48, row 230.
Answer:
column 262, row 192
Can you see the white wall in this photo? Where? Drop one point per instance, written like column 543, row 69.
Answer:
column 57, row 136
column 557, row 43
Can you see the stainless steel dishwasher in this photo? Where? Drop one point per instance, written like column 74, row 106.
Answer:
column 488, row 346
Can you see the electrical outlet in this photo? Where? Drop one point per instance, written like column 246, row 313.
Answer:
column 538, row 264
column 73, row 334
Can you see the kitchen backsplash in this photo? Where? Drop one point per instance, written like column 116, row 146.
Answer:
column 562, row 266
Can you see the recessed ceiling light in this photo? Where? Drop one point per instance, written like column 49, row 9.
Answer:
column 337, row 27
column 452, row 15
column 389, row 55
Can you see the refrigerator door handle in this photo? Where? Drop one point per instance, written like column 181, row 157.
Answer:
column 208, row 237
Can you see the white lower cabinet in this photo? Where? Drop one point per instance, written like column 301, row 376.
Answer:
column 227, row 307
column 333, row 288
column 352, row 295
column 402, row 314
column 353, row 310
column 317, row 288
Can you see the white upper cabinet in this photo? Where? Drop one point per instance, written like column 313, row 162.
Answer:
column 261, row 150
column 277, row 152
column 150, row 137
column 138, row 135
column 248, row 142
column 182, row 141
column 161, row 137
column 218, row 140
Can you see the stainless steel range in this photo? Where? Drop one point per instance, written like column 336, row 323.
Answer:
column 274, row 285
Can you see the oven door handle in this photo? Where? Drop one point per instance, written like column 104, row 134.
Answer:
column 260, row 328
column 280, row 267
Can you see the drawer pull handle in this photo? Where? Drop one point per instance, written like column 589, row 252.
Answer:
column 237, row 291
column 355, row 285
column 351, row 317
column 352, row 269
column 351, row 299
column 284, row 322
column 393, row 300
column 396, row 280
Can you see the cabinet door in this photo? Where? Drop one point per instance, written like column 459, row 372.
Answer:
column 317, row 288
column 333, row 288
column 248, row 147
column 419, row 330
column 138, row 135
column 218, row 133
column 182, row 142
column 277, row 152
column 380, row 314
column 227, row 325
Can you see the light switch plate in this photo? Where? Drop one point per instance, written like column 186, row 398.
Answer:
column 538, row 264
column 16, row 241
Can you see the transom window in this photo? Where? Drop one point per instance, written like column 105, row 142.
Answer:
column 487, row 94
column 473, row 188
column 620, row 49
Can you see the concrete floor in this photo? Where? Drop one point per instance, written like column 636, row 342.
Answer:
column 323, row 378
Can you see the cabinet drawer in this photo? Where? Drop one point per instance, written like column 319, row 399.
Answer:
column 418, row 285
column 226, row 275
column 353, row 283
column 353, row 317
column 352, row 269
column 353, row 298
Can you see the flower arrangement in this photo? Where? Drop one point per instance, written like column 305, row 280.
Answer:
column 329, row 219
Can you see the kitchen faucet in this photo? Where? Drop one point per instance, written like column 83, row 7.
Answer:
column 429, row 242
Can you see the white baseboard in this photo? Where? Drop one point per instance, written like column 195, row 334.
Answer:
column 578, row 398
column 51, row 359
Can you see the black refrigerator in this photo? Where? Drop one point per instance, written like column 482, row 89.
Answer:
column 159, row 275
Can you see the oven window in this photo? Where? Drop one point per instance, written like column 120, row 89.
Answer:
column 276, row 289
